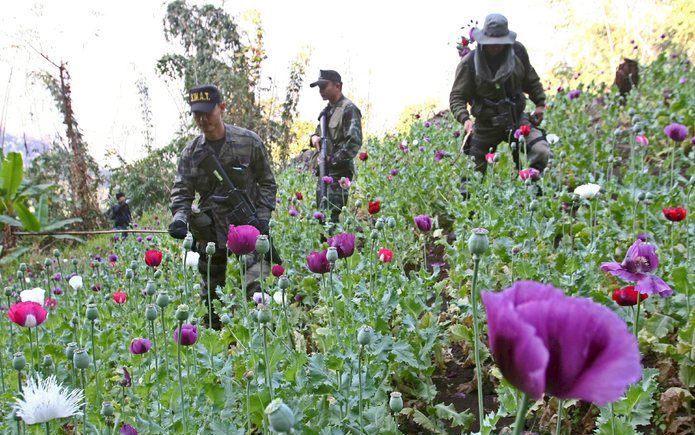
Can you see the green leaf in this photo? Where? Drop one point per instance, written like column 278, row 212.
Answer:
column 659, row 325
column 448, row 412
column 42, row 210
column 404, row 353
column 69, row 237
column 622, row 427
column 12, row 173
column 638, row 405
column 426, row 423
column 7, row 220
column 18, row 252
column 29, row 221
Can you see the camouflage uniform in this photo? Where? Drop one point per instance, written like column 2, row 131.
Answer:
column 245, row 160
column 344, row 122
column 481, row 92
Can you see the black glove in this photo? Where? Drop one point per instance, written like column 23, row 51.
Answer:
column 178, row 229
column 264, row 226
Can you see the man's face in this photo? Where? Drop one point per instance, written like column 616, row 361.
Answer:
column 209, row 122
column 121, row 199
column 329, row 90
column 493, row 49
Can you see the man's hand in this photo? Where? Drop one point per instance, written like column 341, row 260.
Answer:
column 468, row 126
column 316, row 141
column 178, row 229
column 537, row 116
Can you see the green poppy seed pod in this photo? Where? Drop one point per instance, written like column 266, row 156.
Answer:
column 181, row 313
column 391, row 222
column 194, row 322
column 163, row 300
column 74, row 261
column 8, row 291
column 151, row 312
column 107, row 409
column 20, row 275
column 364, row 335
column 129, row 273
column 92, row 312
column 56, row 253
column 70, row 350
column 47, row 361
column 264, row 314
column 533, row 206
column 74, row 320
column 478, row 242
column 23, row 267
column 396, row 402
column 150, row 288
column 374, row 235
column 332, row 254
column 225, row 319
column 158, row 273
column 210, row 248
column 379, row 225
column 248, row 375
column 358, row 203
column 254, row 315
column 188, row 242
column 262, row 244
column 272, row 224
column 19, row 361
column 47, row 262
column 280, row 416
column 563, row 154
column 283, row 282
column 80, row 359
column 641, row 196
column 648, row 196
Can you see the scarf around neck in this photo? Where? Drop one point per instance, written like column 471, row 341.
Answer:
column 503, row 72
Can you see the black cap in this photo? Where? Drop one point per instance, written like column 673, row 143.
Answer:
column 204, row 98
column 325, row 76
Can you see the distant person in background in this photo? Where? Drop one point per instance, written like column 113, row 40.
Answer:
column 120, row 213
column 493, row 79
column 344, row 131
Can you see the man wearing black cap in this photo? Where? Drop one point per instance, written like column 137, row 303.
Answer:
column 493, row 79
column 120, row 213
column 344, row 128
column 244, row 159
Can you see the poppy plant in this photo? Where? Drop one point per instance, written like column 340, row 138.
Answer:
column 153, row 258
column 241, row 239
column 317, row 262
column 675, row 214
column 138, row 346
column 532, row 174
column 385, row 255
column 28, row 314
column 344, row 244
column 423, row 222
column 188, row 334
column 277, row 270
column 638, row 265
column 119, row 297
column 627, row 296
column 363, row 156
column 373, row 207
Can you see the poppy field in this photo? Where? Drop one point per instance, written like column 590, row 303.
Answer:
column 549, row 303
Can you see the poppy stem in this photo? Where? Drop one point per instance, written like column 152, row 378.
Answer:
column 359, row 375
column 520, row 415
column 209, row 260
column 268, row 376
column 636, row 322
column 558, row 427
column 185, row 275
column 476, row 350
column 178, row 354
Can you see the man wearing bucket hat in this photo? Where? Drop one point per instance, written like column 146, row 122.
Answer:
column 243, row 161
column 493, row 79
column 344, row 139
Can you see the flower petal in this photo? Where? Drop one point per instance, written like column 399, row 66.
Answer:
column 617, row 269
column 652, row 284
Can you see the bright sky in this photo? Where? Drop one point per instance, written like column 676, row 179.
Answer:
column 392, row 54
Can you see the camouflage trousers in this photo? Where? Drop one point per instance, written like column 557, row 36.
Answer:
column 218, row 275
column 336, row 198
column 485, row 140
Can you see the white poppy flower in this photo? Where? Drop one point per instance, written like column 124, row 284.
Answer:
column 587, row 191
column 192, row 259
column 278, row 298
column 76, row 282
column 45, row 400
column 37, row 295
column 552, row 138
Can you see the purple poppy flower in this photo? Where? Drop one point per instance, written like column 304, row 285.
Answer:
column 344, row 244
column 638, row 265
column 139, row 346
column 293, row 211
column 57, row 276
column 421, row 148
column 676, row 132
column 570, row 348
column 189, row 334
column 241, row 239
column 327, row 179
column 317, row 262
column 149, row 238
column 113, row 258
column 127, row 429
column 471, row 38
column 439, row 155
column 319, row 216
column 394, row 172
column 423, row 222
column 427, row 139
column 126, row 381
column 97, row 258
column 262, row 298
column 57, row 291
column 427, row 124
column 574, row 94
column 138, row 239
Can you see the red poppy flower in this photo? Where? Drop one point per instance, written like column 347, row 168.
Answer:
column 50, row 303
column 627, row 296
column 525, row 129
column 675, row 214
column 29, row 314
column 363, row 156
column 464, row 41
column 374, row 207
column 385, row 255
column 153, row 258
column 119, row 297
column 277, row 270
column 299, row 195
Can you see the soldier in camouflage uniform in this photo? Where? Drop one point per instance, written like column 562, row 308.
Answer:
column 245, row 160
column 493, row 79
column 344, row 123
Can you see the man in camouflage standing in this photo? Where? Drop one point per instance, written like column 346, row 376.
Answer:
column 344, row 128
column 245, row 160
column 493, row 79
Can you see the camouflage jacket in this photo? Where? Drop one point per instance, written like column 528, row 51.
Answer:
column 470, row 88
column 345, row 137
column 245, row 160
